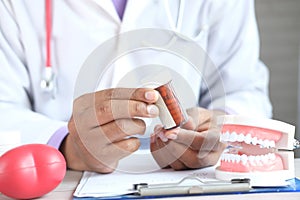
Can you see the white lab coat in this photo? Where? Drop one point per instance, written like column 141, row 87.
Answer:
column 225, row 29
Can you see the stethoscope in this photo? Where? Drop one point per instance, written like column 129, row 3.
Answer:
column 48, row 82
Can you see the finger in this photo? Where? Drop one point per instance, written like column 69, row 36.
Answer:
column 165, row 158
column 110, row 154
column 123, row 148
column 199, row 115
column 161, row 154
column 190, row 158
column 189, row 124
column 218, row 149
column 117, row 109
column 88, row 152
column 172, row 161
column 209, row 158
column 187, row 156
column 178, row 165
column 170, row 134
column 114, row 132
column 146, row 95
column 108, row 111
column 204, row 127
column 102, row 157
column 196, row 121
column 139, row 94
column 100, row 167
column 207, row 140
column 164, row 134
column 203, row 119
column 119, row 129
column 158, row 128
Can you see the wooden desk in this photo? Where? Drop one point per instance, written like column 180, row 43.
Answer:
column 65, row 190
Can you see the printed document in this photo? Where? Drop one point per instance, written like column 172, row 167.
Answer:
column 137, row 168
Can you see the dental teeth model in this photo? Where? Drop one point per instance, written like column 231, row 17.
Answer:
column 259, row 149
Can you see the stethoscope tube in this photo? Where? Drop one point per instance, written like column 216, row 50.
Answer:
column 48, row 21
column 48, row 82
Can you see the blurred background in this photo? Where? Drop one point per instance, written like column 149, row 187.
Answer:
column 279, row 26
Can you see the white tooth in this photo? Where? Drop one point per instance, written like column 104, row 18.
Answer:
column 266, row 143
column 262, row 157
column 232, row 158
column 223, row 157
column 263, row 144
column 226, row 157
column 233, row 137
column 251, row 160
column 226, row 136
column 240, row 138
column 237, row 158
column 248, row 139
column 260, row 141
column 257, row 158
column 254, row 141
column 272, row 144
column 244, row 159
column 265, row 159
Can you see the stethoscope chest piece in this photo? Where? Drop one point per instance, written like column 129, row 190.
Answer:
column 48, row 82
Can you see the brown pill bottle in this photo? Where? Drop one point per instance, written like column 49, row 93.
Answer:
column 171, row 113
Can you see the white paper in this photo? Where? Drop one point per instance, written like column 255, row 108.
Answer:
column 121, row 181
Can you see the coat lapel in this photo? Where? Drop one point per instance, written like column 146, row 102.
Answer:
column 109, row 8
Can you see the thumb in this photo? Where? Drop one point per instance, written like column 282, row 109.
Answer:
column 189, row 124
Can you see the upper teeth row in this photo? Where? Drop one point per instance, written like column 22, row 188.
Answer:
column 248, row 139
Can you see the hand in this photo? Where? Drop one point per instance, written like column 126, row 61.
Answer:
column 102, row 127
column 194, row 145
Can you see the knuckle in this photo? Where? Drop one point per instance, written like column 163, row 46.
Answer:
column 137, row 92
column 122, row 125
column 108, row 93
column 103, row 109
column 139, row 108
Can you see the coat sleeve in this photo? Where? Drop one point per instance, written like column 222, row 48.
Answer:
column 236, row 80
column 16, row 100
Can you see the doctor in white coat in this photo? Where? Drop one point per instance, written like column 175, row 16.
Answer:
column 70, row 30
